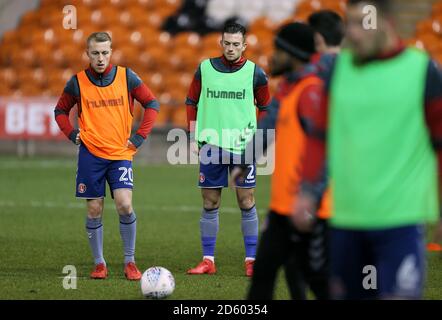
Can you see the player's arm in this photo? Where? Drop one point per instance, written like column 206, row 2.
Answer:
column 261, row 91
column 267, row 114
column 258, row 145
column 312, row 114
column 142, row 93
column 433, row 117
column 314, row 123
column 192, row 100
column 68, row 99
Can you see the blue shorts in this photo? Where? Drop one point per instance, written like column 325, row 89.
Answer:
column 93, row 172
column 377, row 264
column 215, row 166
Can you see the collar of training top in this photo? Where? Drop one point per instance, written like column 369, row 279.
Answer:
column 97, row 75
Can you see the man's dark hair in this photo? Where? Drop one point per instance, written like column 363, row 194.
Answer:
column 329, row 25
column 234, row 27
column 384, row 6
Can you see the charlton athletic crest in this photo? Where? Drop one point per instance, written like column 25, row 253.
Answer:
column 81, row 188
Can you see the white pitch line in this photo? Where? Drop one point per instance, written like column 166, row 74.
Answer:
column 81, row 205
column 18, row 164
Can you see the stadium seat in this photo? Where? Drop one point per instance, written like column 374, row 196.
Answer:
column 183, row 59
column 93, row 3
column 164, row 115
column 5, row 91
column 156, row 82
column 179, row 117
column 187, row 39
column 8, row 77
column 119, row 4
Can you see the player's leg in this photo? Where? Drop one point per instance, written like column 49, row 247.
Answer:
column 273, row 250
column 94, row 228
column 296, row 265
column 91, row 186
column 349, row 254
column 209, row 226
column 400, row 262
column 212, row 178
column 317, row 256
column 209, row 221
column 120, row 179
column 249, row 216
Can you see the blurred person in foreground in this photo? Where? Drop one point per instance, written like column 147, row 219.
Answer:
column 379, row 129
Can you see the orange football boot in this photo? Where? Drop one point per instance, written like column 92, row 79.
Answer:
column 432, row 246
column 249, row 267
column 131, row 271
column 206, row 266
column 100, row 271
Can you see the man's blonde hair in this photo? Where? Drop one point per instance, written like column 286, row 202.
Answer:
column 98, row 37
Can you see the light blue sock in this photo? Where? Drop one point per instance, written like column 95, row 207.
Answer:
column 249, row 228
column 128, row 232
column 209, row 224
column 94, row 229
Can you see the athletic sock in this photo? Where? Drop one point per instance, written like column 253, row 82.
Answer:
column 249, row 228
column 209, row 224
column 128, row 232
column 94, row 229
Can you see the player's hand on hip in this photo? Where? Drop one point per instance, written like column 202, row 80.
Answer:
column 77, row 139
column 302, row 216
column 236, row 173
column 131, row 146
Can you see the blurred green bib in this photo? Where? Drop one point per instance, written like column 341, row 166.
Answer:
column 382, row 165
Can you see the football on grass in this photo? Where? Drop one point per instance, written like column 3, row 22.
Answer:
column 157, row 283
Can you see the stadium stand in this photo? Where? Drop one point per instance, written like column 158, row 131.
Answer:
column 162, row 40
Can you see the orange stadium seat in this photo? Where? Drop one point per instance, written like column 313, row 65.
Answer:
column 211, row 40
column 158, row 57
column 5, row 91
column 93, row 3
column 183, row 59
column 39, row 77
column 156, row 82
column 120, row 4
column 8, row 77
column 131, row 17
column 179, row 117
column 262, row 23
column 188, row 40
column 145, row 62
column 146, row 4
column 7, row 52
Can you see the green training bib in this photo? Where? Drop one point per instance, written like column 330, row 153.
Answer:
column 382, row 165
column 226, row 109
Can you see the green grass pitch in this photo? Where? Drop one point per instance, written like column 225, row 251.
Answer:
column 42, row 230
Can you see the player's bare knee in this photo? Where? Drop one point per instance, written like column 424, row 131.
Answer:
column 210, row 204
column 94, row 208
column 124, row 207
column 246, row 202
